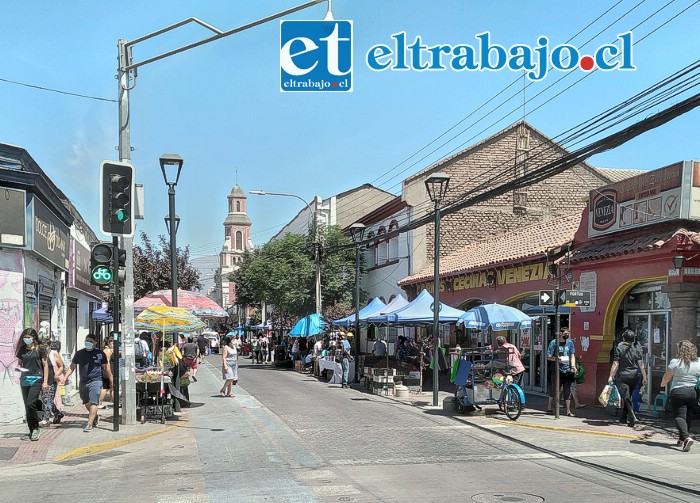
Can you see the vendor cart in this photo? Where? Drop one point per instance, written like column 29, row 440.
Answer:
column 153, row 397
column 483, row 377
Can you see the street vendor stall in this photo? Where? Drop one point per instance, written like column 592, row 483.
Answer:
column 329, row 363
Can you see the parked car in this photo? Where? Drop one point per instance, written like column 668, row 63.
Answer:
column 214, row 341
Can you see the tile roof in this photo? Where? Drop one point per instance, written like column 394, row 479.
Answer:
column 619, row 174
column 529, row 242
column 617, row 247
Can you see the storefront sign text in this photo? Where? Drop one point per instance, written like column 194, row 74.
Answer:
column 50, row 236
column 507, row 276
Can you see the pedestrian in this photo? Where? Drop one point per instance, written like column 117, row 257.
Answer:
column 567, row 369
column 91, row 362
column 627, row 364
column 263, row 348
column 379, row 348
column 47, row 395
column 59, row 372
column 684, row 369
column 202, row 345
column 141, row 350
column 108, row 351
column 346, row 356
column 511, row 354
column 295, row 350
column 229, row 359
column 190, row 352
column 33, row 365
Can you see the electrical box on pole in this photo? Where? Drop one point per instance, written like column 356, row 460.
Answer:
column 116, row 198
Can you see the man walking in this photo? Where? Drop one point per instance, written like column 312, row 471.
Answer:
column 202, row 344
column 346, row 358
column 190, row 352
column 92, row 362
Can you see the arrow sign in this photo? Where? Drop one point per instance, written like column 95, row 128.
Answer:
column 546, row 297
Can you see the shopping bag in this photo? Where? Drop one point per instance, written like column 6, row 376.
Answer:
column 453, row 374
column 605, row 395
column 614, row 398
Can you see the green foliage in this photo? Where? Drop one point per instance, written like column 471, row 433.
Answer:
column 282, row 273
column 152, row 268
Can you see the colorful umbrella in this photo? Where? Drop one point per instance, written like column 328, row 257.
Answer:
column 496, row 316
column 195, row 302
column 167, row 319
column 312, row 324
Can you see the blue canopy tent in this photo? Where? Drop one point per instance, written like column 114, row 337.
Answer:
column 374, row 305
column 496, row 316
column 397, row 303
column 420, row 310
column 312, row 324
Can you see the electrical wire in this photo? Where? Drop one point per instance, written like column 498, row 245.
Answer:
column 67, row 93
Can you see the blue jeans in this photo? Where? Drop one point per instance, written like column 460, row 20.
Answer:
column 346, row 371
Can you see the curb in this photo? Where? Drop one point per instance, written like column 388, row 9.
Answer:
column 566, row 429
column 112, row 444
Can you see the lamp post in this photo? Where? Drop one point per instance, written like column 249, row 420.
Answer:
column 357, row 231
column 436, row 186
column 314, row 231
column 171, row 166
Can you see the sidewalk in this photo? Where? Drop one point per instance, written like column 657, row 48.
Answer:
column 591, row 420
column 68, row 440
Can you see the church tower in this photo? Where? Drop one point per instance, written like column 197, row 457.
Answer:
column 236, row 242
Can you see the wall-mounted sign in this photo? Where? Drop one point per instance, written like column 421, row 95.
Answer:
column 664, row 194
column 522, row 273
column 13, row 221
column 50, row 236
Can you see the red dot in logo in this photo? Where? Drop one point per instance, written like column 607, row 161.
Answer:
column 335, row 84
column 587, row 63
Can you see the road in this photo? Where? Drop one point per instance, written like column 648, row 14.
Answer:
column 287, row 437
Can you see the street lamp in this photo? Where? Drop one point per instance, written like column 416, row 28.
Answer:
column 171, row 166
column 436, row 186
column 316, row 241
column 357, row 231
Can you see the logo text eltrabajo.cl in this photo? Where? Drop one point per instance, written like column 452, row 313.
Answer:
column 489, row 56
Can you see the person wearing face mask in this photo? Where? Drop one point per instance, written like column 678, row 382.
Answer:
column 567, row 369
column 92, row 362
column 32, row 363
column 628, row 359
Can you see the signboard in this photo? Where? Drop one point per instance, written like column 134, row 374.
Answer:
column 50, row 236
column 546, row 297
column 664, row 194
column 13, row 217
column 576, row 298
column 588, row 281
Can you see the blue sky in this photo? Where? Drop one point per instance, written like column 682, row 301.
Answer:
column 220, row 108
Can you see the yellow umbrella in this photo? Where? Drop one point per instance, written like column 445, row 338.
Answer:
column 167, row 319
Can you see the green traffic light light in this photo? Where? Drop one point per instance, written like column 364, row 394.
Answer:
column 102, row 275
column 121, row 215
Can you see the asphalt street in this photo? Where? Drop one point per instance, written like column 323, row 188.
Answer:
column 288, row 437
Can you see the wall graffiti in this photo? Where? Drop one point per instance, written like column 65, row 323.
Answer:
column 11, row 312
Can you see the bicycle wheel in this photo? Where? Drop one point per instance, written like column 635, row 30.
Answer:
column 512, row 405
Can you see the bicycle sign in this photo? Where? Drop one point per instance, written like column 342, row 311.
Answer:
column 102, row 275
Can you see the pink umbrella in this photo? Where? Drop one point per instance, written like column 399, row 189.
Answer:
column 195, row 302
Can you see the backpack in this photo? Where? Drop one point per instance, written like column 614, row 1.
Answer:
column 138, row 350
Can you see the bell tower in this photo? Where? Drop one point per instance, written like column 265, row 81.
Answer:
column 236, row 242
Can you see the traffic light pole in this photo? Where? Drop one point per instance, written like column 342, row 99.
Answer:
column 116, row 313
column 126, row 68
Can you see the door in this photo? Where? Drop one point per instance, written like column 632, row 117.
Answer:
column 651, row 330
column 534, row 355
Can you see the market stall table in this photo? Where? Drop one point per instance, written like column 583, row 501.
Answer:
column 337, row 368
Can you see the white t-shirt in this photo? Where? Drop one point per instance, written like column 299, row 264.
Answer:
column 318, row 347
column 682, row 375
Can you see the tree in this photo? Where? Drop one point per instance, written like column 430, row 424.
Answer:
column 152, row 267
column 282, row 273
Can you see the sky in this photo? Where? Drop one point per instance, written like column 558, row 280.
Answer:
column 219, row 105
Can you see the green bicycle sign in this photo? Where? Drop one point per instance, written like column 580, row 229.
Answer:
column 102, row 275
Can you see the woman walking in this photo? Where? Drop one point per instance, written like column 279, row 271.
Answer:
column 229, row 357
column 628, row 359
column 684, row 369
column 32, row 362
column 59, row 372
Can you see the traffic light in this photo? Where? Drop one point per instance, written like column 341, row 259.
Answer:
column 101, row 273
column 116, row 198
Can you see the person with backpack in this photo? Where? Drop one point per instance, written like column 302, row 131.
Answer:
column 141, row 351
column 684, row 369
column 628, row 359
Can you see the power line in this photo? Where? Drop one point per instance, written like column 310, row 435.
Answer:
column 67, row 93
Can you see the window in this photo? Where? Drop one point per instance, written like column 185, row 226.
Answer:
column 238, row 206
column 371, row 251
column 393, row 241
column 382, row 246
column 239, row 240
